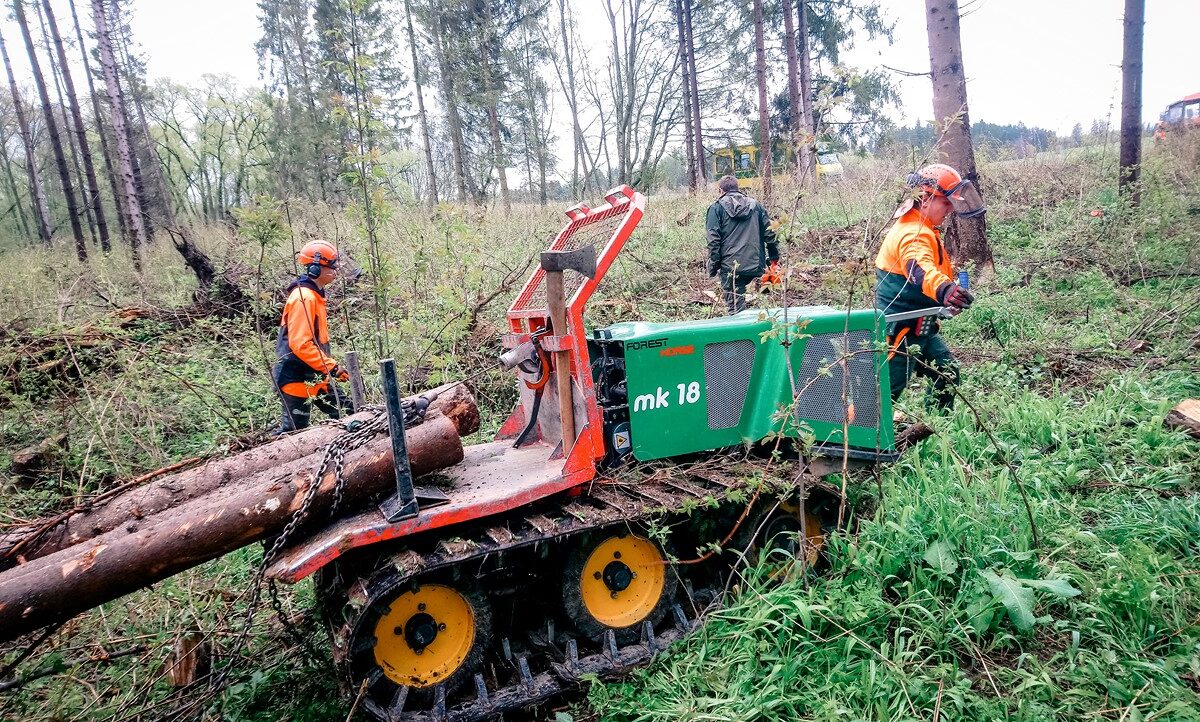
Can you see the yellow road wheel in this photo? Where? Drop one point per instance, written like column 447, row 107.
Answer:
column 784, row 529
column 617, row 582
column 429, row 635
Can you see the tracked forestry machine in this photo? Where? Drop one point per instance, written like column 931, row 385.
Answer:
column 536, row 566
column 509, row 570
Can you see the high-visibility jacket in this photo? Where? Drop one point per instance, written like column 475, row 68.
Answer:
column 912, row 265
column 303, row 345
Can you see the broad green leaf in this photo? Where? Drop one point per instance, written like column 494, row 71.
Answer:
column 940, row 556
column 980, row 614
column 1060, row 587
column 1015, row 596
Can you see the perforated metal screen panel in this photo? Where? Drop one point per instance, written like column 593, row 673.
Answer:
column 823, row 371
column 727, row 368
column 593, row 230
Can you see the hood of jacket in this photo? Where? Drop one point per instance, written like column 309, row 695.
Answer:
column 737, row 205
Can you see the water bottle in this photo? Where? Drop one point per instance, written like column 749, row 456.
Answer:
column 964, row 280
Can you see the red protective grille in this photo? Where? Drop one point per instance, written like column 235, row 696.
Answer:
column 598, row 228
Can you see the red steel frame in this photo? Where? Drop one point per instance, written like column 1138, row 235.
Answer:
column 510, row 478
column 523, row 320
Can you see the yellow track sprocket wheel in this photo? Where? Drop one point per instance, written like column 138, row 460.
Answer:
column 426, row 635
column 783, row 530
column 418, row 635
column 617, row 581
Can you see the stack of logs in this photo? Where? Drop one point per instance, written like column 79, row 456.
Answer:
column 53, row 570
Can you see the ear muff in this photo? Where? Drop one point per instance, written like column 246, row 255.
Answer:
column 313, row 270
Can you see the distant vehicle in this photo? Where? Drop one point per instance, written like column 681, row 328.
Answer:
column 1181, row 114
column 741, row 161
column 828, row 164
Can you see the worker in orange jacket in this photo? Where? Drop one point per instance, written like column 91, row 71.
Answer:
column 306, row 371
column 913, row 271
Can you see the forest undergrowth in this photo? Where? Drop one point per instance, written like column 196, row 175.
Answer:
column 937, row 603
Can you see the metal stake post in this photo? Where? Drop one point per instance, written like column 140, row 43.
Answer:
column 358, row 394
column 404, row 504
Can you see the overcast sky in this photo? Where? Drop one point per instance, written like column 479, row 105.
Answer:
column 1050, row 63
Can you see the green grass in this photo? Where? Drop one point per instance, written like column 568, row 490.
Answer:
column 926, row 607
column 940, row 605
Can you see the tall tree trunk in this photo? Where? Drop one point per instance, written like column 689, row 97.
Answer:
column 579, row 157
column 141, row 145
column 286, row 128
column 68, row 127
column 542, row 199
column 37, row 194
column 617, row 76
column 693, row 74
column 62, row 116
column 950, row 112
column 12, row 186
column 113, row 183
column 321, row 152
column 492, row 85
column 80, row 131
column 60, row 158
column 687, row 98
column 764, row 111
column 453, row 120
column 498, row 157
column 116, row 107
column 432, row 198
column 808, row 166
column 1128, row 179
column 528, row 154
column 793, row 84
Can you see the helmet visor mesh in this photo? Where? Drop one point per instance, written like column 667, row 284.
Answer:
column 967, row 201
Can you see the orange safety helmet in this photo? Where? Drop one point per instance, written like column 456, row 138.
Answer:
column 317, row 255
column 940, row 179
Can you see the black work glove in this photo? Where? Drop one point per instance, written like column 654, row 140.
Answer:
column 337, row 373
column 713, row 267
column 954, row 297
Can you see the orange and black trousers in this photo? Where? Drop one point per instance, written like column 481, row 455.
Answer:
column 915, row 346
column 299, row 396
column 926, row 357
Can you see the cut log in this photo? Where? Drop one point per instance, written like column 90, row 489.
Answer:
column 33, row 461
column 189, row 660
column 59, row 586
column 1185, row 417
column 36, row 540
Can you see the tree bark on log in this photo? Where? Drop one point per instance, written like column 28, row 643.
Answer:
column 56, row 587
column 1185, row 417
column 453, row 401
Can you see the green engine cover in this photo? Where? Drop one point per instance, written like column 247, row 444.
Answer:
column 701, row 385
